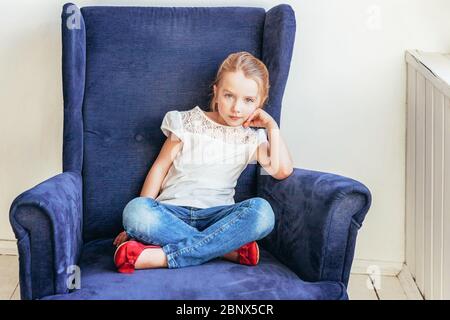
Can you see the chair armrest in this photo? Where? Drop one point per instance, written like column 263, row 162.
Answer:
column 317, row 218
column 47, row 223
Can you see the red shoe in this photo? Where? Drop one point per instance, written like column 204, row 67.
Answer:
column 127, row 253
column 249, row 254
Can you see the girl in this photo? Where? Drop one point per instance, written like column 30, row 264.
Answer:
column 186, row 214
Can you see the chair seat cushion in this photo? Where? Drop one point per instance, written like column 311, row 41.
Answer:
column 216, row 279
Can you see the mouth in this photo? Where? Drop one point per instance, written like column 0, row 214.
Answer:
column 235, row 118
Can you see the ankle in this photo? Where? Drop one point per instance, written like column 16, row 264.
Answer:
column 232, row 256
column 151, row 258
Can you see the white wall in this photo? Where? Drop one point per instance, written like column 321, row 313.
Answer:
column 343, row 110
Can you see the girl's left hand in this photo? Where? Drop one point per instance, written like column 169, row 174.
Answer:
column 259, row 118
column 122, row 237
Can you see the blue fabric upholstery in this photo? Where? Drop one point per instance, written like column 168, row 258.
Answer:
column 142, row 62
column 74, row 75
column 47, row 222
column 123, row 69
column 217, row 279
column 317, row 216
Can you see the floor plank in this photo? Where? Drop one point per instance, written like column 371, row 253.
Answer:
column 360, row 288
column 390, row 289
column 9, row 276
column 408, row 284
column 16, row 294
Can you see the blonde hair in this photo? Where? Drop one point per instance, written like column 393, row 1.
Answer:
column 251, row 67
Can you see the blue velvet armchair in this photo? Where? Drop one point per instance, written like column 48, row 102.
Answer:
column 123, row 69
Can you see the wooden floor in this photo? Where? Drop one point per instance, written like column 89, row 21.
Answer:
column 360, row 286
column 9, row 278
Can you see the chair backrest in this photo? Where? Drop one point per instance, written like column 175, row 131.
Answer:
column 125, row 67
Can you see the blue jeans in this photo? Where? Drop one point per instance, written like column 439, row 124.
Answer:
column 191, row 236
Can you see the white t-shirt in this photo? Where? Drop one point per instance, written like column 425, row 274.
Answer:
column 213, row 156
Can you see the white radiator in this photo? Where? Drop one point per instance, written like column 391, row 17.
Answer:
column 428, row 172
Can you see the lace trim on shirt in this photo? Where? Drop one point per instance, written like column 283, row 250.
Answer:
column 195, row 121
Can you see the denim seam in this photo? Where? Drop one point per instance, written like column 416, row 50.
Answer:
column 183, row 250
column 170, row 259
column 191, row 217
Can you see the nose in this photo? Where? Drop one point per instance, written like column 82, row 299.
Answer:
column 236, row 109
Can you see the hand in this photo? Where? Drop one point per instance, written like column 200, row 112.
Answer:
column 260, row 118
column 122, row 237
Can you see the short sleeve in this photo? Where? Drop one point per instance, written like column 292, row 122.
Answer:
column 262, row 136
column 172, row 122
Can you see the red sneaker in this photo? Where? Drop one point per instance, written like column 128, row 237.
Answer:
column 127, row 253
column 249, row 254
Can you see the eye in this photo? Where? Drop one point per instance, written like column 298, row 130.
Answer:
column 250, row 100
column 227, row 95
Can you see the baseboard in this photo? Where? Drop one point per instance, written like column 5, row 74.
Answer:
column 384, row 268
column 8, row 247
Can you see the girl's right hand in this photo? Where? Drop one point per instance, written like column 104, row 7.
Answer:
column 122, row 237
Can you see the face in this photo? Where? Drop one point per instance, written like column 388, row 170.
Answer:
column 237, row 97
